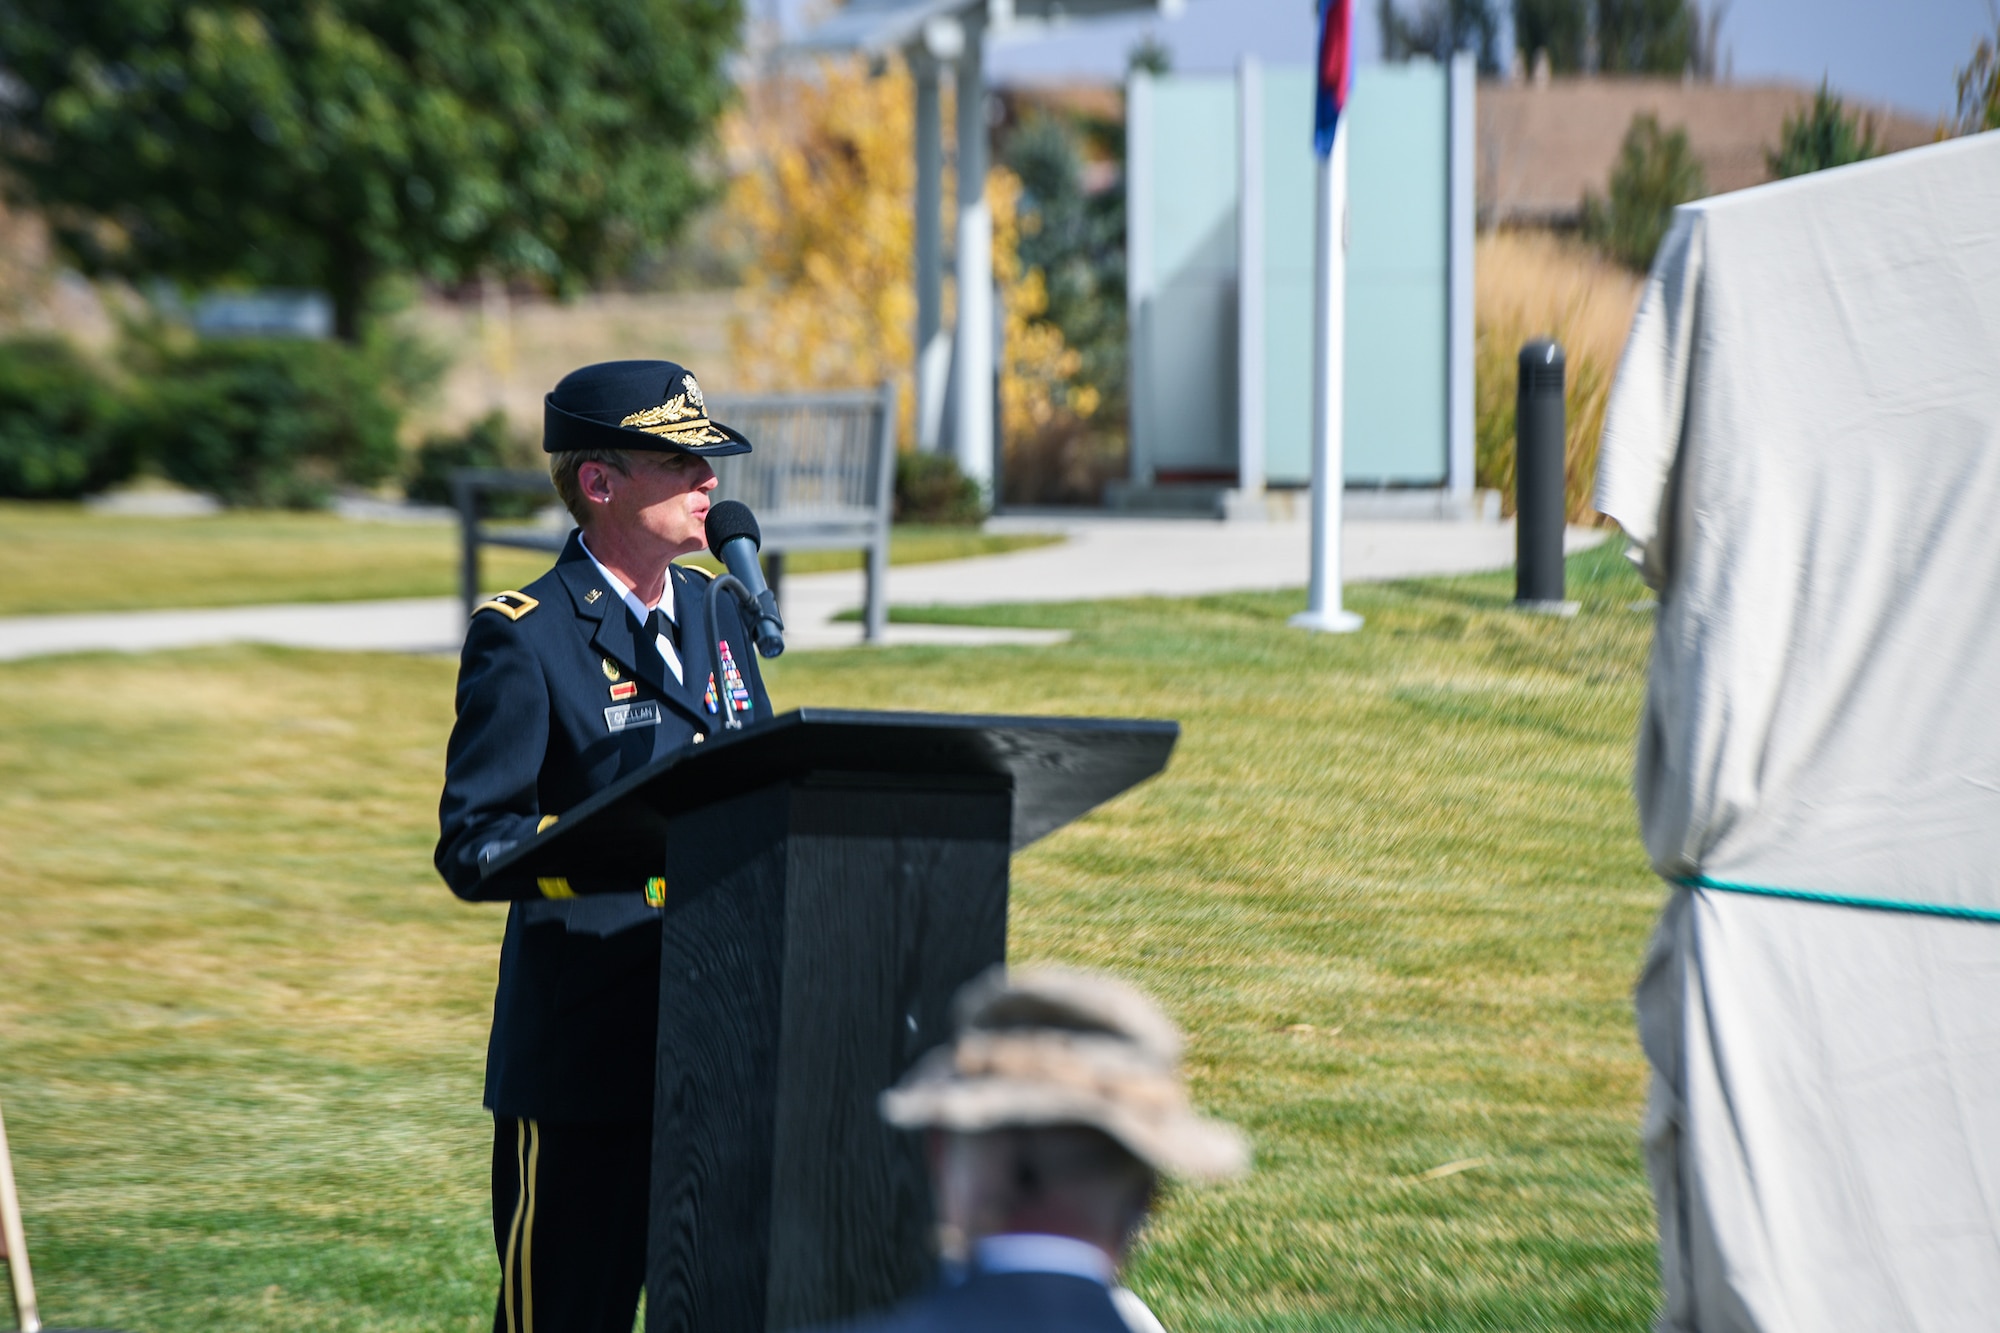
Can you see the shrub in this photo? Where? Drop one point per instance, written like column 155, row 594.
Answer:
column 1656, row 171
column 1979, row 90
column 931, row 489
column 1821, row 136
column 62, row 430
column 487, row 442
column 273, row 423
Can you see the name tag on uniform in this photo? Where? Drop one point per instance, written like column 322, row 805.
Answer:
column 624, row 717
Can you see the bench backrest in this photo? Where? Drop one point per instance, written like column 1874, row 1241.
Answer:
column 823, row 471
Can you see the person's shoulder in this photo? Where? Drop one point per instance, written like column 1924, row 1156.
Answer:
column 693, row 574
column 511, row 604
column 531, row 608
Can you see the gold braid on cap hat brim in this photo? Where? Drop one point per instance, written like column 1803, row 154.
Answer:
column 676, row 422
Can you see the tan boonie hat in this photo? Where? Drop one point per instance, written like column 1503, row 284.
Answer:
column 1050, row 1046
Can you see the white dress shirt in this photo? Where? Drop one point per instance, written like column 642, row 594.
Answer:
column 1027, row 1253
column 642, row 612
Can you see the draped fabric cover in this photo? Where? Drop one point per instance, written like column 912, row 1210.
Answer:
column 1803, row 445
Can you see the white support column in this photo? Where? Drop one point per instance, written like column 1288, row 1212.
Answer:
column 1248, row 501
column 973, row 439
column 1138, row 272
column 1323, row 609
column 1459, row 457
column 933, row 348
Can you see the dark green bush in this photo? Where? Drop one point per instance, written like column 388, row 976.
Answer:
column 1656, row 172
column 1821, row 136
column 931, row 489
column 269, row 422
column 487, row 442
column 62, row 429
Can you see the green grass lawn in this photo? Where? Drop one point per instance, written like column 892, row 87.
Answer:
column 56, row 558
column 1390, row 883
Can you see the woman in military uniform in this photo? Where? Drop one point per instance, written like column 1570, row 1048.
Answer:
column 590, row 672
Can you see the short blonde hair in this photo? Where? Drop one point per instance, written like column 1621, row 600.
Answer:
column 563, row 468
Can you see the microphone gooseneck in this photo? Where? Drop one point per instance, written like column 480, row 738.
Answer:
column 734, row 539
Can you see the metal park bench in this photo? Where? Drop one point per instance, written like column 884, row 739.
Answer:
column 822, row 477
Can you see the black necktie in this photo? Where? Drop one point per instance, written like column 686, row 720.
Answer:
column 665, row 626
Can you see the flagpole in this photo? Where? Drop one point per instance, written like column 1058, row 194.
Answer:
column 1324, row 612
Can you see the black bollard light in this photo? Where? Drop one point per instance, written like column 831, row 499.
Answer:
column 1538, row 479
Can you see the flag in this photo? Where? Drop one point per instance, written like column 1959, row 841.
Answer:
column 1336, row 36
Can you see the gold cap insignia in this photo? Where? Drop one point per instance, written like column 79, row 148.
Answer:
column 682, row 419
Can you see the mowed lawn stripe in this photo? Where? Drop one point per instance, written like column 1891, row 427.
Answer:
column 1390, row 884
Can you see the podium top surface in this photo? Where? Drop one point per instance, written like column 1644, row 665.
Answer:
column 1057, row 767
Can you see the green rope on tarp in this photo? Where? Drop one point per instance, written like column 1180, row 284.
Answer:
column 1842, row 899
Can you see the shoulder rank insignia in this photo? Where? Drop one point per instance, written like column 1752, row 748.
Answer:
column 512, row 605
column 693, row 570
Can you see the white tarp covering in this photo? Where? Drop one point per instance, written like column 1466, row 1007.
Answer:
column 1803, row 444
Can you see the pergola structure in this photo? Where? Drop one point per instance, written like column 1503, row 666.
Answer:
column 954, row 374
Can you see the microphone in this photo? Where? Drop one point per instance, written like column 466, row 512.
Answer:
column 733, row 539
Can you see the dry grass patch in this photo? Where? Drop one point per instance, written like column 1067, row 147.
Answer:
column 1532, row 284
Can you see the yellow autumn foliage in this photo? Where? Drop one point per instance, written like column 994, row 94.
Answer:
column 1038, row 373
column 822, row 192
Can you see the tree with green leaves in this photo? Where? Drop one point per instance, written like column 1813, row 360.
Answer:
column 1150, row 55
column 1559, row 27
column 1077, row 239
column 1645, row 36
column 1820, row 136
column 1437, row 28
column 1656, row 171
column 1616, row 36
column 334, row 143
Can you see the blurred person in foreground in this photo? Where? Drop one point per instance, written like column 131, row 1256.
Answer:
column 1052, row 1116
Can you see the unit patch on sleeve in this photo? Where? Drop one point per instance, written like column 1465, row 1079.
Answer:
column 512, row 605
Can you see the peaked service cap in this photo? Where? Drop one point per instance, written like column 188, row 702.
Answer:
column 1052, row 1046
column 643, row 405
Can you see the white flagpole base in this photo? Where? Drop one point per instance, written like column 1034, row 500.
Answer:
column 1326, row 622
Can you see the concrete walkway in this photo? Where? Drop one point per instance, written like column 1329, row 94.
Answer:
column 1102, row 558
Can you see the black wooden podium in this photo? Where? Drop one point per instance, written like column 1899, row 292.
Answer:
column 833, row 877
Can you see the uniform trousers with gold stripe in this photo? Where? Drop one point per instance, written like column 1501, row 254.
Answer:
column 569, row 1221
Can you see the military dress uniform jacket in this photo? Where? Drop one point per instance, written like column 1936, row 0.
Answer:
column 560, row 694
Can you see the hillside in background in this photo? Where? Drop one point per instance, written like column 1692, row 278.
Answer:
column 1542, row 146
